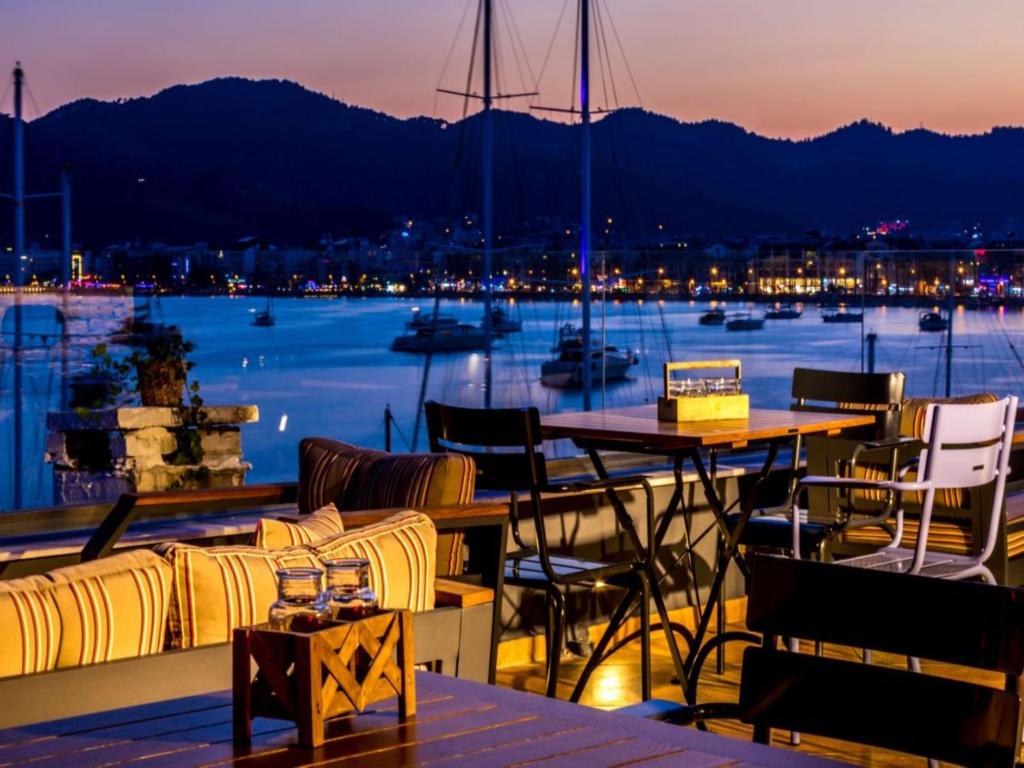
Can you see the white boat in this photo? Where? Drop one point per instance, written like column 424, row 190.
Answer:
column 566, row 370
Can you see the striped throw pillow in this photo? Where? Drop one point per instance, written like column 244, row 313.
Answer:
column 113, row 608
column 218, row 589
column 401, row 551
column 30, row 639
column 278, row 534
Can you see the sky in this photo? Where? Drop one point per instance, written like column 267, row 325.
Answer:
column 787, row 68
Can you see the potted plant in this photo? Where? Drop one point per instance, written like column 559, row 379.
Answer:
column 161, row 370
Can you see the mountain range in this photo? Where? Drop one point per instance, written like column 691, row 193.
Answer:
column 232, row 157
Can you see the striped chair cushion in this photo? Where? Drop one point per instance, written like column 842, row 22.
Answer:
column 401, row 552
column 277, row 534
column 30, row 639
column 915, row 409
column 218, row 589
column 325, row 470
column 417, row 480
column 114, row 608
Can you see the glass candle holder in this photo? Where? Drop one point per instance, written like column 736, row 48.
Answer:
column 349, row 597
column 300, row 604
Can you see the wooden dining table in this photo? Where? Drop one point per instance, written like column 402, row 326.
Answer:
column 457, row 723
column 637, row 429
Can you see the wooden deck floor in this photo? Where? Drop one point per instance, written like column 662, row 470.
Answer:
column 616, row 683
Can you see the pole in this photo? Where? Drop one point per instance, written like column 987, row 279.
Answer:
column 585, row 202
column 65, row 222
column 872, row 342
column 19, row 281
column 387, row 427
column 488, row 190
column 951, row 309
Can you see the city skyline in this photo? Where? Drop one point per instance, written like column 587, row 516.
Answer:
column 792, row 69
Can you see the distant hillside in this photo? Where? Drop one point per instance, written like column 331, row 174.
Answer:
column 231, row 157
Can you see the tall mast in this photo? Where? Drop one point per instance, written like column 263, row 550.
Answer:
column 19, row 178
column 19, row 280
column 585, row 202
column 488, row 190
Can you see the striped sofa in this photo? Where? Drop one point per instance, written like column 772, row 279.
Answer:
column 178, row 596
column 353, row 478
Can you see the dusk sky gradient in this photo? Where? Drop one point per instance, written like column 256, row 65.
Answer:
column 792, row 68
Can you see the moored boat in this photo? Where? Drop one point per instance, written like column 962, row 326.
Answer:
column 932, row 322
column 428, row 320
column 783, row 312
column 447, row 338
column 501, row 323
column 713, row 317
column 842, row 316
column 744, row 321
column 566, row 370
column 266, row 318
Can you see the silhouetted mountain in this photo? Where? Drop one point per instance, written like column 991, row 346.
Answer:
column 231, row 157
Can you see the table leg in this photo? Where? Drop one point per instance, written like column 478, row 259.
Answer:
column 729, row 553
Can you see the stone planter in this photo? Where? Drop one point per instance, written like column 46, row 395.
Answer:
column 98, row 455
column 162, row 383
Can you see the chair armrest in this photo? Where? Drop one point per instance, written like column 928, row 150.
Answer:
column 673, row 712
column 461, row 594
column 821, row 481
column 631, row 482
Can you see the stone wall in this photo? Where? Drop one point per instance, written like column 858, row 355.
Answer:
column 98, row 455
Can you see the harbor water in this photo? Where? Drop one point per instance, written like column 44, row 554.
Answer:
column 325, row 367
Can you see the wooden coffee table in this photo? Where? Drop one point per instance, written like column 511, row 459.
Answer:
column 458, row 723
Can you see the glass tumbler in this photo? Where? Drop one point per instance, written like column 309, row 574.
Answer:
column 300, row 604
column 349, row 596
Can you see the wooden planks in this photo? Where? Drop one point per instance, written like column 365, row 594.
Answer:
column 639, row 427
column 457, row 724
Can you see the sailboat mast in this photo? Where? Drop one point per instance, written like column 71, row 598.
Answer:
column 585, row 202
column 19, row 281
column 488, row 193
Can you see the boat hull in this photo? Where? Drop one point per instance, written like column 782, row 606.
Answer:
column 564, row 375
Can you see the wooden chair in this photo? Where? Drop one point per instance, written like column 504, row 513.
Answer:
column 966, row 624
column 505, row 445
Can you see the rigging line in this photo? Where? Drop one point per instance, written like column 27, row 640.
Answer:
column 504, row 9
column 32, row 99
column 472, row 62
column 551, row 47
column 519, row 38
column 575, row 62
column 622, row 51
column 451, row 52
column 600, row 58
column 603, row 44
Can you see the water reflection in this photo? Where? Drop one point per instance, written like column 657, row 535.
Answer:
column 324, row 367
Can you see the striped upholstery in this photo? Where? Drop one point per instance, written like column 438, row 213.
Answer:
column 31, row 627
column 277, row 534
column 401, row 554
column 220, row 588
column 914, row 410
column 357, row 478
column 325, row 470
column 114, row 608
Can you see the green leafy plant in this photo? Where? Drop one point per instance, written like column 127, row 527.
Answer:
column 106, row 380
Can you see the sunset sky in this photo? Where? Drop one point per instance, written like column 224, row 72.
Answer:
column 791, row 68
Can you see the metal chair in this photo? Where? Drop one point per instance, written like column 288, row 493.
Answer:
column 965, row 446
column 504, row 444
column 879, row 394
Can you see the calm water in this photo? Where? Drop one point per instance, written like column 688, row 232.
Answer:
column 325, row 367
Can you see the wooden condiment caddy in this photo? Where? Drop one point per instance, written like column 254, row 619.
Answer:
column 312, row 677
column 707, row 407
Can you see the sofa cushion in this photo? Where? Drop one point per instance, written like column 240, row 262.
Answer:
column 914, row 410
column 401, row 551
column 113, row 608
column 30, row 639
column 217, row 589
column 325, row 468
column 277, row 534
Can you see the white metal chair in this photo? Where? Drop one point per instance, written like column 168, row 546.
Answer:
column 965, row 446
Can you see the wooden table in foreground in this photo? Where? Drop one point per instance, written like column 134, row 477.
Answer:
column 458, row 723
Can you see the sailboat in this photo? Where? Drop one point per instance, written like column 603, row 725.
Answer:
column 265, row 318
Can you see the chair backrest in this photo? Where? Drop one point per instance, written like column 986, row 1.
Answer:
column 963, row 623
column 968, row 446
column 879, row 394
column 504, row 443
